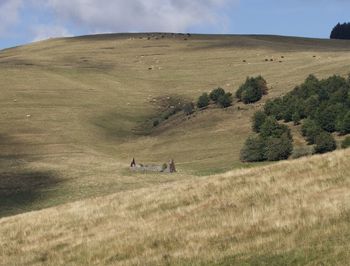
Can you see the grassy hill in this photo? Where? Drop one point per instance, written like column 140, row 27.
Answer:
column 74, row 111
column 289, row 213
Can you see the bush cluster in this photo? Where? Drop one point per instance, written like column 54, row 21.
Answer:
column 252, row 90
column 171, row 106
column 326, row 102
column 273, row 143
column 325, row 143
column 323, row 105
column 217, row 96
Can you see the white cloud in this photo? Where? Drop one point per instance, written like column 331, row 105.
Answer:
column 137, row 15
column 43, row 32
column 9, row 14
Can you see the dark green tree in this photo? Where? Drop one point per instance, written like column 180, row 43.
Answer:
column 323, row 94
column 334, row 84
column 311, row 105
column 288, row 113
column 252, row 90
column 325, row 142
column 339, row 96
column 251, row 95
column 279, row 148
column 258, row 120
column 216, row 93
column 225, row 100
column 341, row 31
column 271, row 128
column 274, row 108
column 310, row 130
column 253, row 149
column 327, row 118
column 203, row 101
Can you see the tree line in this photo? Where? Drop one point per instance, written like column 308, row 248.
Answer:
column 341, row 31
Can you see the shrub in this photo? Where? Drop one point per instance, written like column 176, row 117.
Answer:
column 253, row 149
column 310, row 130
column 251, row 95
column 274, row 108
column 325, row 143
column 225, row 100
column 155, row 123
column 346, row 143
column 252, row 90
column 189, row 108
column 239, row 92
column 216, row 93
column 288, row 114
column 326, row 118
column 258, row 120
column 279, row 148
column 271, row 128
column 311, row 105
column 203, row 100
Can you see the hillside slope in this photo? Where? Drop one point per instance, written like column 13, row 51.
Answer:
column 290, row 213
column 72, row 110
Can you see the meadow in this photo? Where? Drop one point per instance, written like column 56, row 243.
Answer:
column 75, row 111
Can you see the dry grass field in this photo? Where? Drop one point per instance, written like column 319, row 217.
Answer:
column 289, row 213
column 75, row 111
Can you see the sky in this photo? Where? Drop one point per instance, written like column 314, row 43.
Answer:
column 25, row 21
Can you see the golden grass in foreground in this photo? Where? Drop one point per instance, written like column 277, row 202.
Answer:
column 295, row 212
